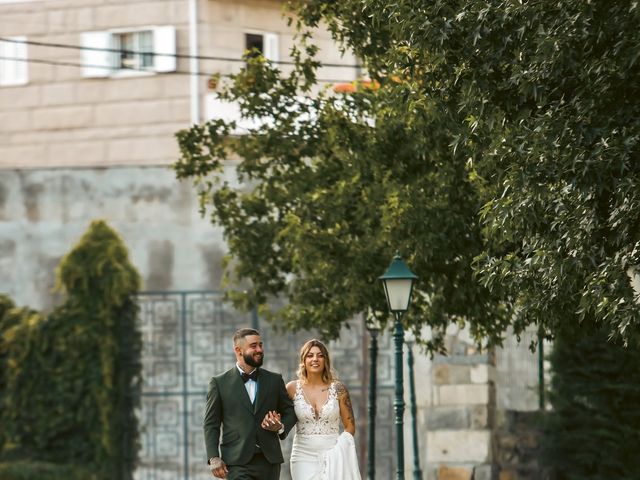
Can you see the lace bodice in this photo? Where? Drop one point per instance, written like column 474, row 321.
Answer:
column 325, row 422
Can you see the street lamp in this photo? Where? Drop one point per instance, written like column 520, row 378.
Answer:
column 398, row 283
column 410, row 340
column 373, row 327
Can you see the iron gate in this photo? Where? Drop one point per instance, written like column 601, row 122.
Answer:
column 187, row 339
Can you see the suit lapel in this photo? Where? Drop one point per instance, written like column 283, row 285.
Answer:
column 237, row 385
column 263, row 387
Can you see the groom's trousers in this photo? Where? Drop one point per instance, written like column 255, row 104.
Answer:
column 258, row 468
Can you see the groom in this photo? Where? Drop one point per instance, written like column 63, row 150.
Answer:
column 251, row 407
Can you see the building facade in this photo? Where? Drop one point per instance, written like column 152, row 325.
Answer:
column 92, row 83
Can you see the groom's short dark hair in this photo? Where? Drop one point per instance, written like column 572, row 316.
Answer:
column 244, row 332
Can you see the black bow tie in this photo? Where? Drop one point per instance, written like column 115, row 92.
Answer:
column 250, row 376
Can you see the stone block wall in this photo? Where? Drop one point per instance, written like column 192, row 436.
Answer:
column 517, row 439
column 460, row 420
column 469, row 435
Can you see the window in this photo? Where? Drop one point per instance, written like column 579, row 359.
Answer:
column 124, row 52
column 13, row 72
column 254, row 42
column 136, row 50
column 265, row 43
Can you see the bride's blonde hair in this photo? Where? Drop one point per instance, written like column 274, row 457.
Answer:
column 328, row 374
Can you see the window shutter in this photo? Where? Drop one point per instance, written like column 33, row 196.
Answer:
column 164, row 42
column 13, row 72
column 271, row 51
column 97, row 63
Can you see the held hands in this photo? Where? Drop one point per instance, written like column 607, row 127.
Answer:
column 272, row 421
column 218, row 467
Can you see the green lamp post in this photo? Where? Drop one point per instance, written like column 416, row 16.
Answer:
column 417, row 472
column 373, row 327
column 398, row 283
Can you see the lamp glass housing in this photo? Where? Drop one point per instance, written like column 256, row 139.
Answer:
column 398, row 283
column 398, row 293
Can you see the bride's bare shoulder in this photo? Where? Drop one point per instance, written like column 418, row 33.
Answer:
column 291, row 388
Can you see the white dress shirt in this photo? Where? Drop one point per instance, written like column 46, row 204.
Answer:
column 250, row 385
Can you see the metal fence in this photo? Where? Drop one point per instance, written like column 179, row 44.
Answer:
column 187, row 339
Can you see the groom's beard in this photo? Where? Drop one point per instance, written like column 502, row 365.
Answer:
column 252, row 361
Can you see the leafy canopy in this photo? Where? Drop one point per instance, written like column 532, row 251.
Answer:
column 498, row 155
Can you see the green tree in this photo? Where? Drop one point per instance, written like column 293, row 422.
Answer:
column 499, row 155
column 594, row 426
column 10, row 316
column 325, row 199
column 71, row 380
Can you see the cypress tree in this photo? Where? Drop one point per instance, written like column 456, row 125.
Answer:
column 593, row 430
column 73, row 378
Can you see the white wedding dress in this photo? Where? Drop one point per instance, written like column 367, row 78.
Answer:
column 320, row 451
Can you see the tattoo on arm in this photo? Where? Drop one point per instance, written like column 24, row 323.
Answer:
column 345, row 399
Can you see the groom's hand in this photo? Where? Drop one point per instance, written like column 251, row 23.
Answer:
column 218, row 467
column 272, row 421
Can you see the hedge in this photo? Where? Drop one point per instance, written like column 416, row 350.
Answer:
column 26, row 470
column 593, row 429
column 72, row 378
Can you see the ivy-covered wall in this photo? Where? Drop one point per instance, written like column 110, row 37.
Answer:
column 71, row 379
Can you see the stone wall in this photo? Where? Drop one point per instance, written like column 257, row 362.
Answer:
column 461, row 417
column 471, row 436
column 517, row 439
column 462, row 434
column 43, row 213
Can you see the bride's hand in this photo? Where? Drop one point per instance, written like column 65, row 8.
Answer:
column 272, row 421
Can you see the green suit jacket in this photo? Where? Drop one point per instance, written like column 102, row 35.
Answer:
column 229, row 413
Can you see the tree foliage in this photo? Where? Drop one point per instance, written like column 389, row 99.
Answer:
column 71, row 379
column 326, row 198
column 498, row 155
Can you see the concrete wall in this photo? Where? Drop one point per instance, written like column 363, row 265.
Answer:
column 44, row 212
column 517, row 374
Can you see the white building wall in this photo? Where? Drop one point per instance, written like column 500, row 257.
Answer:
column 60, row 118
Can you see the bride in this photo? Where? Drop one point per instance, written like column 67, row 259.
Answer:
column 320, row 451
